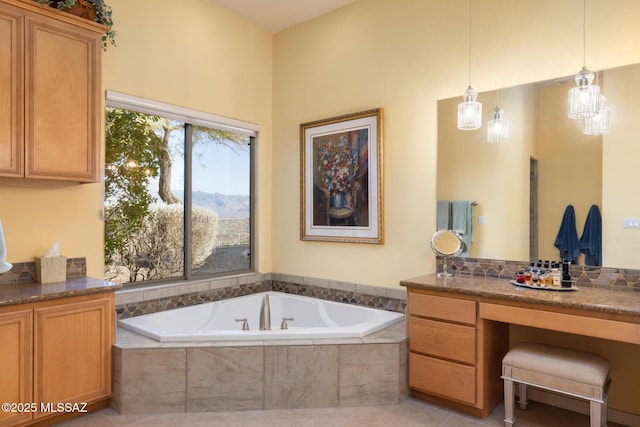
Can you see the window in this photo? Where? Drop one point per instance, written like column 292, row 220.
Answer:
column 178, row 192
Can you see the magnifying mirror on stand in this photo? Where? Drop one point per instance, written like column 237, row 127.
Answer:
column 445, row 244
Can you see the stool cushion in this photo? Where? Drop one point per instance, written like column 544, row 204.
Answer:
column 558, row 368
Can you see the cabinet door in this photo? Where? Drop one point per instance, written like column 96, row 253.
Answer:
column 15, row 364
column 11, row 101
column 72, row 351
column 62, row 114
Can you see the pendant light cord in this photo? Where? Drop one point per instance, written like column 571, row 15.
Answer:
column 584, row 33
column 469, row 43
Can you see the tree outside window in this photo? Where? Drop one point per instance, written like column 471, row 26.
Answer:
column 171, row 185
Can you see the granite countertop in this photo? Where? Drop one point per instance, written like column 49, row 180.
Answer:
column 32, row 292
column 621, row 302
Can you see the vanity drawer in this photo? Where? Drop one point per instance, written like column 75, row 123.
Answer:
column 451, row 309
column 443, row 378
column 447, row 340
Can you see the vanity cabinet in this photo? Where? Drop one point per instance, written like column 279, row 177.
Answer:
column 16, row 363
column 56, row 351
column 454, row 357
column 50, row 75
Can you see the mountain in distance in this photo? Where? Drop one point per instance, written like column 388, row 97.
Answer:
column 226, row 206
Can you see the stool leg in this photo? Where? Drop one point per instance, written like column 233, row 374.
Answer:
column 595, row 412
column 522, row 391
column 509, row 388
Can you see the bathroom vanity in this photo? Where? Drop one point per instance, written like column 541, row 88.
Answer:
column 458, row 329
column 55, row 349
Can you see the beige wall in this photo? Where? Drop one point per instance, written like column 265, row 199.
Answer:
column 621, row 152
column 401, row 56
column 196, row 54
column 189, row 53
column 404, row 57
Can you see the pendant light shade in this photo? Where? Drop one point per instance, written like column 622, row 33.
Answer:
column 584, row 99
column 498, row 126
column 600, row 123
column 470, row 111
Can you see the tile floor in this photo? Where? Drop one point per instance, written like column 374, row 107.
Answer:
column 409, row 413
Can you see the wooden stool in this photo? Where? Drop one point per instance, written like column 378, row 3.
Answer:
column 571, row 372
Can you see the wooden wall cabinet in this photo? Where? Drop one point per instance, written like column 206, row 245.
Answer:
column 50, row 73
column 56, row 351
column 454, row 357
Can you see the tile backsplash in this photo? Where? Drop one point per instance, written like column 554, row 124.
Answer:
column 605, row 277
column 25, row 272
column 133, row 302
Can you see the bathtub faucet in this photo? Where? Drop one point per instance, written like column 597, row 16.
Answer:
column 284, row 325
column 245, row 324
column 265, row 314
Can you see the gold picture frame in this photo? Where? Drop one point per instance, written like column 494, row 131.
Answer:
column 341, row 178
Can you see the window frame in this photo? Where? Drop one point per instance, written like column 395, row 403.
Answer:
column 192, row 118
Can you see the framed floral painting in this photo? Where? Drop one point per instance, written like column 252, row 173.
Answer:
column 341, row 179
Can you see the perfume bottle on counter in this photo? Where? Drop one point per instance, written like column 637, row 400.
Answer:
column 556, row 276
column 566, row 277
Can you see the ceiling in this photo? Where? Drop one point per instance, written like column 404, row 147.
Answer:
column 277, row 15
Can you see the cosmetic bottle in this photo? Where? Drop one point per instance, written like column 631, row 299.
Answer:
column 556, row 277
column 566, row 277
column 527, row 276
column 535, row 277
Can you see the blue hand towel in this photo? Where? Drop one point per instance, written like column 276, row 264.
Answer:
column 462, row 222
column 567, row 239
column 591, row 239
column 443, row 215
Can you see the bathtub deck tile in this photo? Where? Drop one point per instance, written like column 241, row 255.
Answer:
column 184, row 344
column 225, row 379
column 394, row 333
column 127, row 339
column 255, row 343
column 301, row 377
column 369, row 374
column 336, row 341
column 292, row 342
column 152, row 381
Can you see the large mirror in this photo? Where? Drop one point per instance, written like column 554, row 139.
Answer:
column 523, row 186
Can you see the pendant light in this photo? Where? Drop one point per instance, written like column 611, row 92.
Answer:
column 470, row 111
column 584, row 99
column 600, row 123
column 498, row 127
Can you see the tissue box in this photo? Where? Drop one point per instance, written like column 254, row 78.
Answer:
column 51, row 269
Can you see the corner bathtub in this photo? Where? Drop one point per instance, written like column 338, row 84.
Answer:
column 216, row 321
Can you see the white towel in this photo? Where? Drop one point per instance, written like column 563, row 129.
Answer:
column 462, row 222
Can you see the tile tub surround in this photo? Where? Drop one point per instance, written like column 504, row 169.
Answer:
column 134, row 302
column 604, row 277
column 151, row 377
